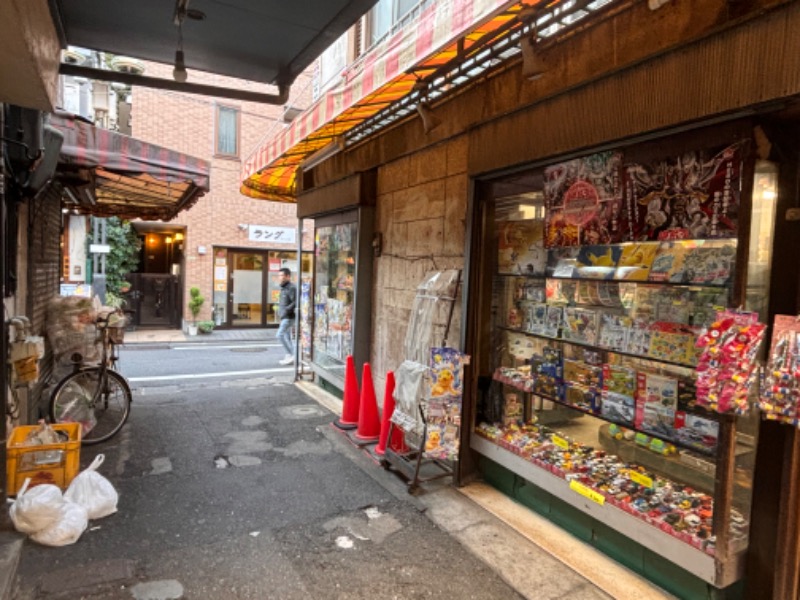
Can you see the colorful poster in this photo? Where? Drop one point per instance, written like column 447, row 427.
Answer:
column 520, row 247
column 693, row 196
column 583, row 198
column 443, row 406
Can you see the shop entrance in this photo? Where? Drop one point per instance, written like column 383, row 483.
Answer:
column 247, row 285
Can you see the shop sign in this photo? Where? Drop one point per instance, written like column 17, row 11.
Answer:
column 265, row 233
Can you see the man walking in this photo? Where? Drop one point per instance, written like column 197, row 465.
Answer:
column 286, row 307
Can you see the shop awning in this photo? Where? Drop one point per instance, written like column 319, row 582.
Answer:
column 109, row 174
column 441, row 33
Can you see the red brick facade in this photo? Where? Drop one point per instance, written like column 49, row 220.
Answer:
column 186, row 123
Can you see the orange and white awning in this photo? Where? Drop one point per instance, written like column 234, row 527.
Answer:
column 384, row 75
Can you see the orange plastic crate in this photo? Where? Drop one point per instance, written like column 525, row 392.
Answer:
column 48, row 463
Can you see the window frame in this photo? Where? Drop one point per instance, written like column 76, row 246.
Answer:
column 218, row 108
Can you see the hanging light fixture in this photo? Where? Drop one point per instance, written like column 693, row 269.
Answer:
column 429, row 119
column 533, row 67
column 179, row 73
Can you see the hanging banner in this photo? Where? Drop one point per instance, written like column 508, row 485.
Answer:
column 694, row 196
column 583, row 198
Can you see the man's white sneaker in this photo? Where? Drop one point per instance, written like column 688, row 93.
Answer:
column 287, row 361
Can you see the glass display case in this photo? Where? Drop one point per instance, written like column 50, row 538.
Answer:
column 341, row 293
column 591, row 352
column 335, row 270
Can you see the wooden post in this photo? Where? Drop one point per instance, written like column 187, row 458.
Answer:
column 723, row 491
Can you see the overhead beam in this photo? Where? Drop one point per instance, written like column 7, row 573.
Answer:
column 167, row 84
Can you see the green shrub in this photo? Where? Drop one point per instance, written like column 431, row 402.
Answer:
column 205, row 326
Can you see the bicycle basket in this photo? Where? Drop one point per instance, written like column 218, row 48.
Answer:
column 116, row 334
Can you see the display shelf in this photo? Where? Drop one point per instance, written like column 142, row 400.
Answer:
column 618, row 281
column 598, row 348
column 677, row 443
column 693, row 560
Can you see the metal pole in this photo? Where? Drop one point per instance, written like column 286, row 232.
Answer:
column 4, row 329
column 298, row 353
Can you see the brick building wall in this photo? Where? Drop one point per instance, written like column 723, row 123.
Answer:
column 186, row 123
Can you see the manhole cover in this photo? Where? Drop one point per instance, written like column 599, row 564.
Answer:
column 302, row 411
column 248, row 349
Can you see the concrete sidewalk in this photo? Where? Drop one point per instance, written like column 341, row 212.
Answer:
column 505, row 536
column 176, row 336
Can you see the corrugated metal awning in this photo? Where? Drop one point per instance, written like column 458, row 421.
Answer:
column 110, row 174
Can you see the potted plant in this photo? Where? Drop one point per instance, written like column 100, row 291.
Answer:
column 195, row 302
column 205, row 326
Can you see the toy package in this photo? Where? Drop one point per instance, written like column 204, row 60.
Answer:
column 546, row 371
column 582, row 383
column 560, row 292
column 597, row 262
column 521, row 247
column 656, row 403
column 562, row 262
column 443, row 403
column 639, row 337
column 668, row 263
column 711, row 263
column 580, row 325
column 615, row 331
column 538, row 319
column 512, row 409
column 555, row 316
column 780, row 394
column 726, row 368
column 673, row 342
column 699, row 433
column 635, row 261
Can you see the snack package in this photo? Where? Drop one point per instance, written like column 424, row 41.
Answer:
column 780, row 394
column 726, row 368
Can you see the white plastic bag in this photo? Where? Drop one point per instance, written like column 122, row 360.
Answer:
column 36, row 509
column 93, row 491
column 72, row 522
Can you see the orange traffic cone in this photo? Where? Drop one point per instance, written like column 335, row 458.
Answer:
column 369, row 424
column 388, row 409
column 349, row 419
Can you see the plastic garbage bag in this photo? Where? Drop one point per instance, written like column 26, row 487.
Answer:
column 93, row 491
column 37, row 508
column 72, row 522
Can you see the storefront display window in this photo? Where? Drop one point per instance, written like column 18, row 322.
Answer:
column 605, row 270
column 333, row 299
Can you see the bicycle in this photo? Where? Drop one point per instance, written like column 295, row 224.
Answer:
column 96, row 396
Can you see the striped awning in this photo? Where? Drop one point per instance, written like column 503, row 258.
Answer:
column 109, row 174
column 384, row 75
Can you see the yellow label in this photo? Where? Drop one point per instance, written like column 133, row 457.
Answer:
column 642, row 480
column 587, row 492
column 560, row 442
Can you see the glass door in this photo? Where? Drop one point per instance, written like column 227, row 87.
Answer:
column 247, row 274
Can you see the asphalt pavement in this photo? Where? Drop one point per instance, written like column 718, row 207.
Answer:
column 245, row 490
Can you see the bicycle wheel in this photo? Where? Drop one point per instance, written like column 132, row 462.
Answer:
column 101, row 415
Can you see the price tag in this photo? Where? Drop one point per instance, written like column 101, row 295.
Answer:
column 587, row 492
column 642, row 480
column 560, row 442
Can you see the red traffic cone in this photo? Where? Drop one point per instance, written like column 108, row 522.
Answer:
column 398, row 442
column 388, row 409
column 369, row 424
column 350, row 406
